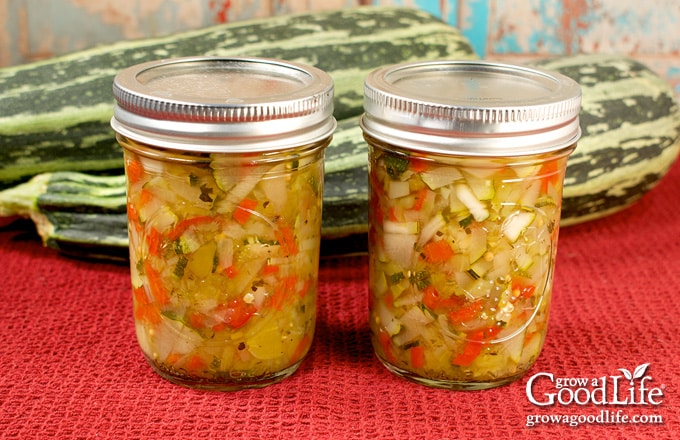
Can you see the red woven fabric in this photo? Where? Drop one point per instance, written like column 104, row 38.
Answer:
column 72, row 368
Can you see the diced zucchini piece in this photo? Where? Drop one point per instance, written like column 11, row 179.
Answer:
column 459, row 262
column 531, row 348
column 515, row 223
column 397, row 189
column 242, row 189
column 464, row 279
column 399, row 288
column 514, row 346
column 399, row 248
column 507, row 194
column 522, row 258
column 414, row 321
column 441, row 176
column 436, row 223
column 527, row 170
column 479, row 268
column 387, row 319
column 410, row 297
column 275, row 187
column 480, row 288
column 225, row 251
column 481, row 173
column 501, row 264
column 483, row 189
column 477, row 244
column 530, row 195
column 201, row 262
column 266, row 344
column 162, row 219
column 455, row 205
column 188, row 242
column 380, row 284
column 391, row 227
column 467, row 197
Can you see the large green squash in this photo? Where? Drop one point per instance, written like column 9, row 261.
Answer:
column 631, row 134
column 54, row 114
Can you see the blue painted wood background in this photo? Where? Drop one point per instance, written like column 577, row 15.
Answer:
column 504, row 30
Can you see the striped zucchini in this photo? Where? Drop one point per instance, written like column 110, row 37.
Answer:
column 54, row 114
column 631, row 134
column 73, row 212
column 85, row 214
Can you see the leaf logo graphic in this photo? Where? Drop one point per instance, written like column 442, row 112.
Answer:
column 640, row 371
column 626, row 373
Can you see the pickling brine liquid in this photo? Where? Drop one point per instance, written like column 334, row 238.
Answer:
column 462, row 254
column 224, row 259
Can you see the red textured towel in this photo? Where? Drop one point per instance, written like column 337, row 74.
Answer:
column 72, row 368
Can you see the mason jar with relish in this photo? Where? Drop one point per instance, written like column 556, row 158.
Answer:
column 224, row 165
column 466, row 168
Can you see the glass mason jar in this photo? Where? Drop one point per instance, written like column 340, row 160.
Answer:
column 224, row 166
column 466, row 165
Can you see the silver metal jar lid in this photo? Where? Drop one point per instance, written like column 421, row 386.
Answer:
column 216, row 104
column 471, row 108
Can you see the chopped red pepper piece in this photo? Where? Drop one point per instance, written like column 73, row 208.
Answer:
column 522, row 288
column 474, row 345
column 231, row 271
column 385, row 342
column 134, row 170
column 306, row 286
column 417, row 164
column 235, row 314
column 153, row 240
column 145, row 196
column 433, row 301
column 156, row 285
column 143, row 309
column 133, row 217
column 388, row 300
column 173, row 358
column 270, row 269
column 284, row 235
column 185, row 224
column 437, row 251
column 466, row 312
column 431, row 297
column 284, row 289
column 549, row 173
column 196, row 320
column 420, row 199
column 471, row 350
column 196, row 363
column 244, row 210
column 393, row 214
column 417, row 356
